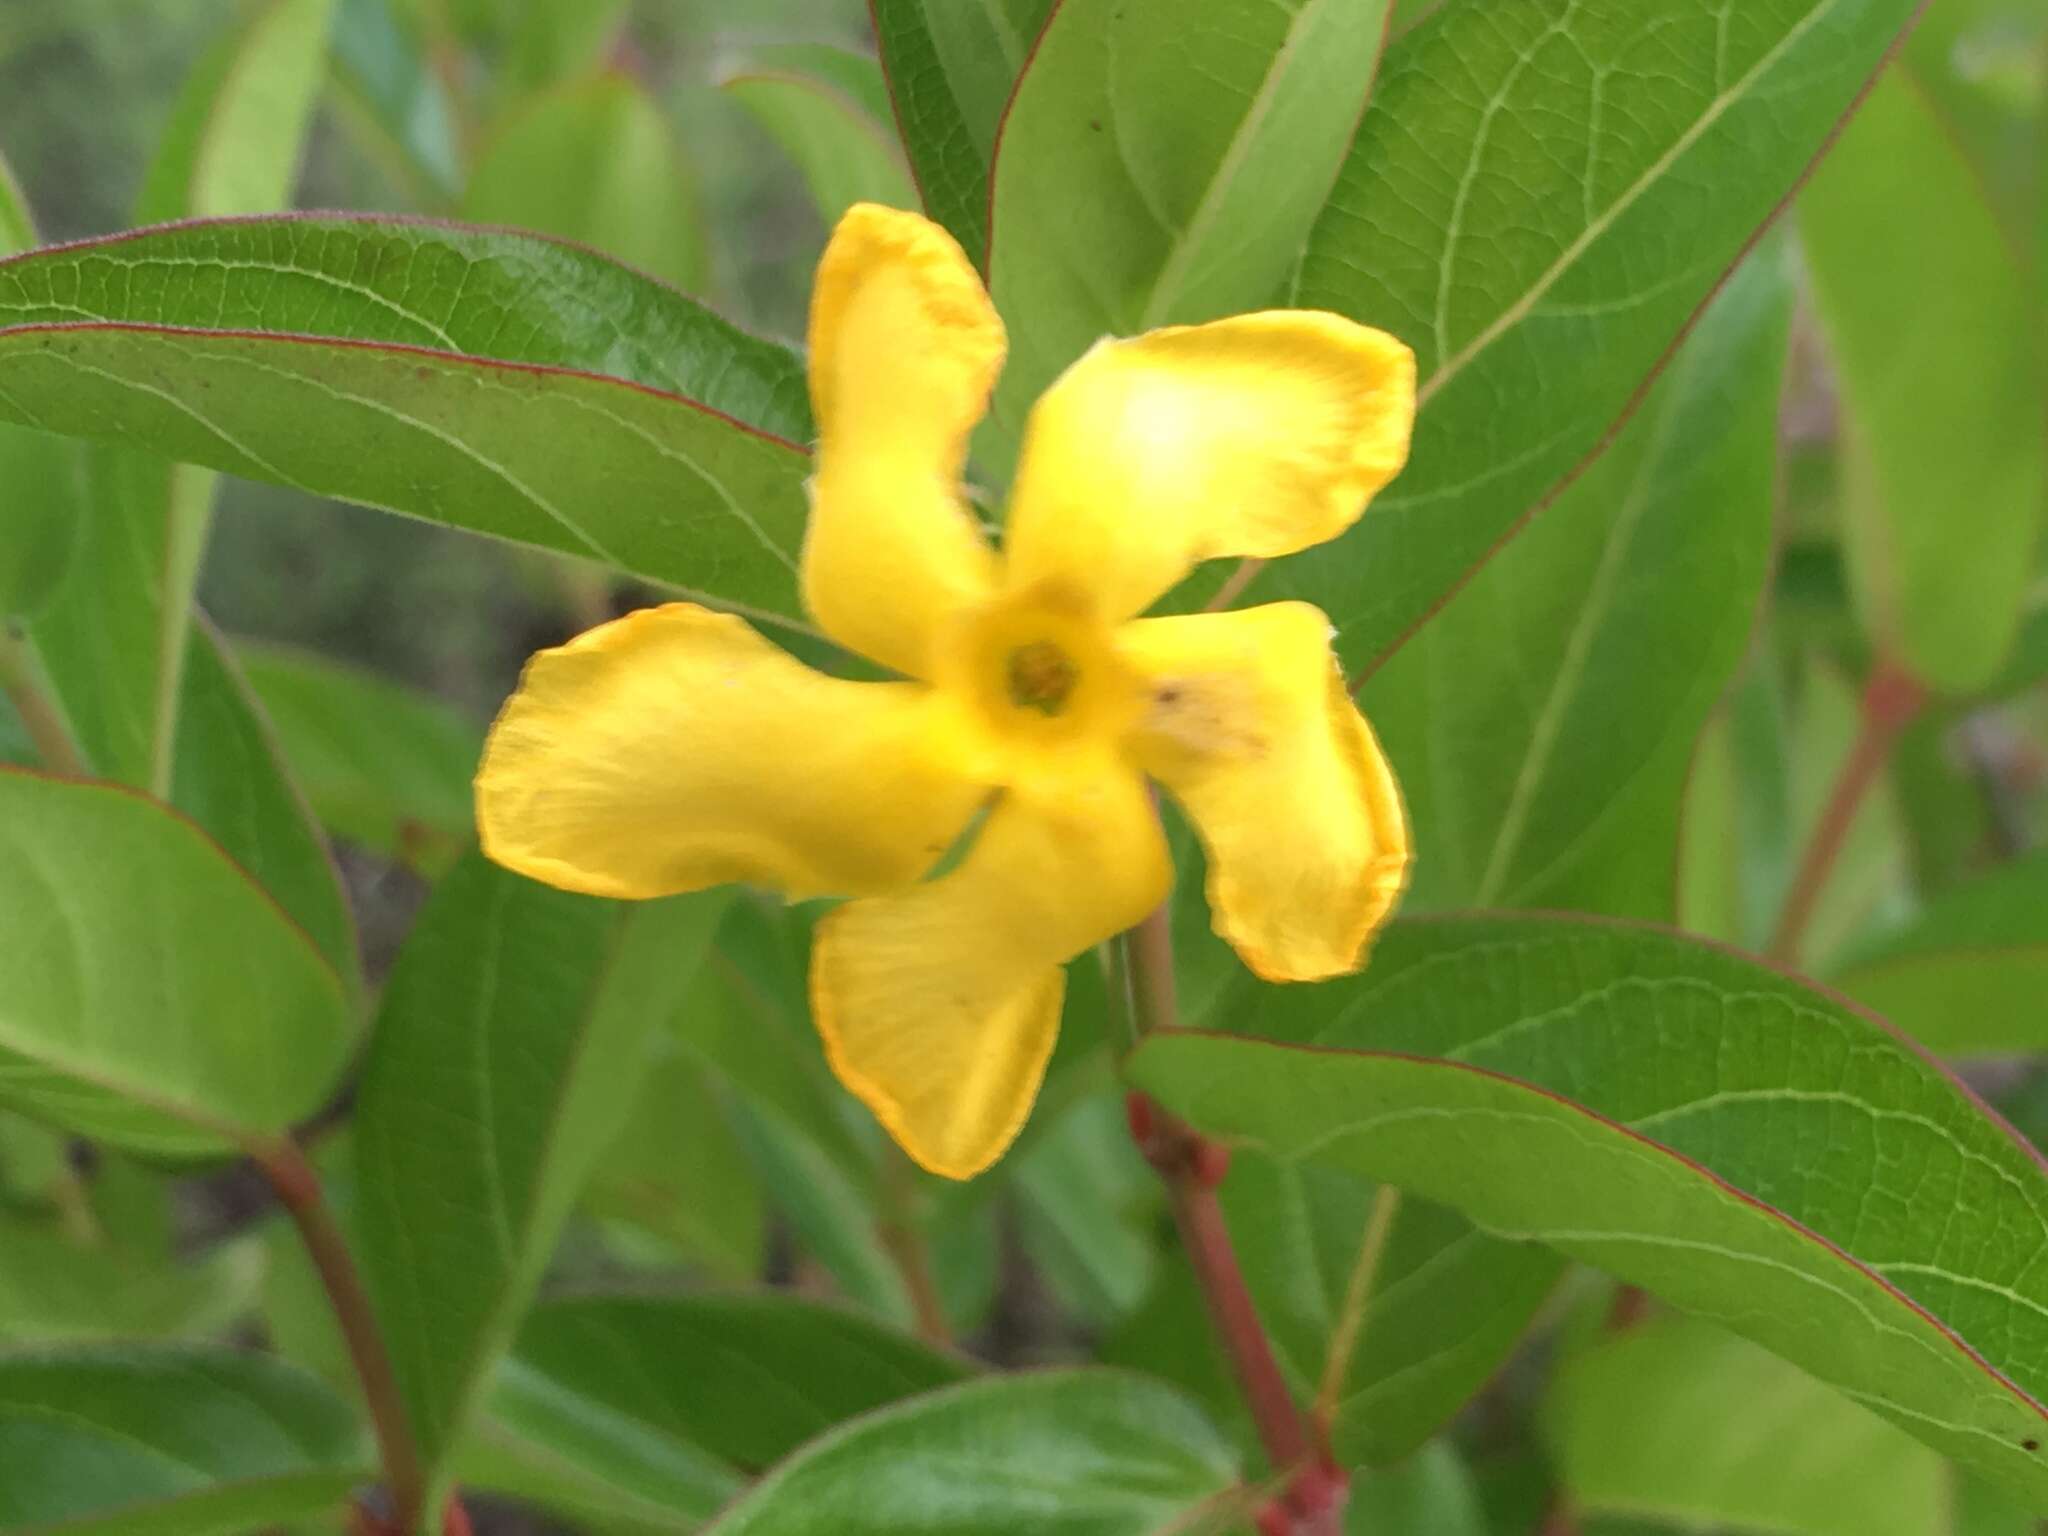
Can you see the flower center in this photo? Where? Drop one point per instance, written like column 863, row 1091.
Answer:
column 1042, row 677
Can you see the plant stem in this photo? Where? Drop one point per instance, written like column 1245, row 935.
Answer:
column 22, row 680
column 1191, row 1168
column 1207, row 1240
column 904, row 1241
column 298, row 1189
column 1891, row 699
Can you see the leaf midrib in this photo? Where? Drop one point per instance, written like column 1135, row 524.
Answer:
column 1448, row 370
column 1173, row 272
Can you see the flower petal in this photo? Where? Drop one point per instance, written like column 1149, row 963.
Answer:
column 905, row 347
column 1258, row 435
column 1252, row 729
column 675, row 749
column 938, row 1006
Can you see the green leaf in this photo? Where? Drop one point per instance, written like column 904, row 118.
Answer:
column 401, row 100
column 1538, row 200
column 229, row 776
column 1967, row 976
column 598, row 1476
column 1676, row 1419
column 297, row 343
column 1399, row 1310
column 232, row 146
column 1587, row 656
column 1978, row 63
column 114, row 635
column 510, row 1030
column 383, row 765
column 1766, row 771
column 829, row 110
column 1430, row 1494
column 1163, row 164
column 155, row 998
column 677, row 1178
column 748, row 1020
column 41, row 495
column 645, row 1410
column 1094, row 1453
column 950, row 70
column 61, row 1285
column 167, row 1441
column 1947, row 452
column 38, row 474
column 594, row 162
column 1719, row 1133
column 235, row 137
column 1087, row 1211
column 478, row 293
column 17, row 226
column 542, row 41
column 748, row 1378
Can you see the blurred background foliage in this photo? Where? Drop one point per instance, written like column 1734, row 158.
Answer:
column 701, row 163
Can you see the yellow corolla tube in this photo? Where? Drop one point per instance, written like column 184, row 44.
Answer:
column 676, row 748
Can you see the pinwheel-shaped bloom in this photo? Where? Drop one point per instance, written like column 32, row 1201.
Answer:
column 676, row 748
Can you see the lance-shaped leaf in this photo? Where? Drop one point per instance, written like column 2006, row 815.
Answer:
column 232, row 146
column 1629, row 603
column 229, row 775
column 1163, row 163
column 1968, row 975
column 39, row 487
column 394, row 97
column 496, row 382
column 1099, row 1451
column 749, row 1378
column 1743, row 1145
column 168, row 1440
column 234, row 139
column 382, row 764
column 1946, row 412
column 154, row 996
column 1677, row 1419
column 649, row 1409
column 1391, row 1310
column 646, row 1412
column 509, row 1033
column 950, row 70
column 1540, row 197
column 829, row 110
column 594, row 161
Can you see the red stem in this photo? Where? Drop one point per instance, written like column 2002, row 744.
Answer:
column 298, row 1189
column 1207, row 1241
column 1891, row 700
column 1191, row 1167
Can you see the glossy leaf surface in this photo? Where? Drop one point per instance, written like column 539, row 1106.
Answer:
column 396, row 341
column 1539, row 199
column 1744, row 1146
column 1571, row 676
column 1092, row 1453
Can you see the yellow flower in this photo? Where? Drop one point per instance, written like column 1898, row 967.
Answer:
column 676, row 749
